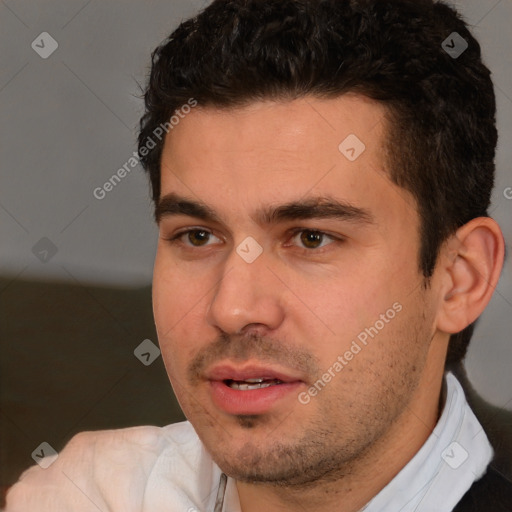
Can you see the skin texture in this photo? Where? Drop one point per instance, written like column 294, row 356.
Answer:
column 305, row 299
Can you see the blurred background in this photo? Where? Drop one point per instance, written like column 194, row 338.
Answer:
column 75, row 276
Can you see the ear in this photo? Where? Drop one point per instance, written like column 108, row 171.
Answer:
column 471, row 262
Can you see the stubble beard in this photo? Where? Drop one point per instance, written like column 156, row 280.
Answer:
column 320, row 453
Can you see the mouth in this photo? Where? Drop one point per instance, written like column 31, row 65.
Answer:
column 249, row 384
column 251, row 389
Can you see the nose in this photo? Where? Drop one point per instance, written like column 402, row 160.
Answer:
column 248, row 296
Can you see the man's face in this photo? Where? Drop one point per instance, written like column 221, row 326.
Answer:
column 295, row 350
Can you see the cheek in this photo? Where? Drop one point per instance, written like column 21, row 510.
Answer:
column 352, row 301
column 176, row 290
column 177, row 311
column 364, row 317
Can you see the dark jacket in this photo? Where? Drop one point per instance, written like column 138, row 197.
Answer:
column 493, row 492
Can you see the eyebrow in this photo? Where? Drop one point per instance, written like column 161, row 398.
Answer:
column 318, row 207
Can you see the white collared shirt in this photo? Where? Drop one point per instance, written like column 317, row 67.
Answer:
column 152, row 469
column 454, row 456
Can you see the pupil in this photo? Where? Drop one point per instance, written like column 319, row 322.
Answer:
column 311, row 238
column 200, row 236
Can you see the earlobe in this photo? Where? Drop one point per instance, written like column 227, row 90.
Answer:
column 473, row 260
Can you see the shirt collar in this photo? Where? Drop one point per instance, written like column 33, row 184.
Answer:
column 455, row 455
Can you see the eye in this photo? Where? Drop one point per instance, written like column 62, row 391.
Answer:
column 193, row 237
column 312, row 239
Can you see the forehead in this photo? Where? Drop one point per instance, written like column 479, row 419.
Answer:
column 274, row 151
column 302, row 126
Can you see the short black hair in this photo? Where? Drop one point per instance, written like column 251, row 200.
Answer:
column 441, row 108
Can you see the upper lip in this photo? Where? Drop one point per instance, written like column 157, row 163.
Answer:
column 223, row 372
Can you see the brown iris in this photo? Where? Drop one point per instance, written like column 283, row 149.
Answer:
column 198, row 235
column 311, row 239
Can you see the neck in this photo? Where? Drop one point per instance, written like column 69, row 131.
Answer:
column 358, row 482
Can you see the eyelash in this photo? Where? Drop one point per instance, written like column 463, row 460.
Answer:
column 175, row 239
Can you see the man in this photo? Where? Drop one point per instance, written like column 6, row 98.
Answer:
column 321, row 172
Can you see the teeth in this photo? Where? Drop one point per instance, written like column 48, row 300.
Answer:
column 250, row 384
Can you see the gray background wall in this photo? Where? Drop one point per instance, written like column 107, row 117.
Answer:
column 69, row 121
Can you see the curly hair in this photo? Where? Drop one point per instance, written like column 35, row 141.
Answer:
column 441, row 109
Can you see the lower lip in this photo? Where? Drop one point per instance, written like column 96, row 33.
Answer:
column 254, row 401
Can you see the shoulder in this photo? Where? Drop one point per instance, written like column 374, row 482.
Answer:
column 103, row 466
column 491, row 492
column 124, row 447
column 143, row 442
